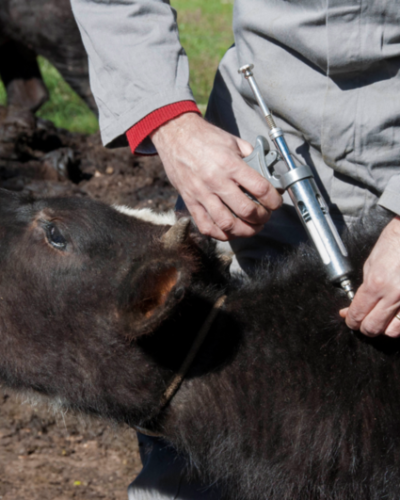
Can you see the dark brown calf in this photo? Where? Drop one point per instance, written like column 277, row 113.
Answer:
column 282, row 401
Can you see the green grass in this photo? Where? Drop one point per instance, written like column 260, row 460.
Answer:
column 205, row 28
column 205, row 32
column 65, row 108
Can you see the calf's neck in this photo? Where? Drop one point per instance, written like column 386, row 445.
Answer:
column 98, row 309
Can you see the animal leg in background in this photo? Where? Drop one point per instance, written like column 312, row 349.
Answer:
column 26, row 93
column 42, row 28
column 22, row 79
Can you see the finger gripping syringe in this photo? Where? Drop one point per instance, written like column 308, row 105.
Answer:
column 304, row 193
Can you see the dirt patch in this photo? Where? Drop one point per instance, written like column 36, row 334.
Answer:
column 50, row 455
column 44, row 454
column 40, row 160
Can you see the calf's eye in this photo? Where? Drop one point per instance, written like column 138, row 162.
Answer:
column 55, row 238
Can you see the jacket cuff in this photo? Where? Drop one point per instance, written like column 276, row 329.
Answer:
column 141, row 130
column 390, row 198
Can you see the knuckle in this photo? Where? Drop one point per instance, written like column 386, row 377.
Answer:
column 370, row 328
column 254, row 230
column 226, row 160
column 226, row 225
column 262, row 187
column 276, row 202
column 352, row 321
column 208, row 177
column 271, row 198
column 231, row 143
column 365, row 332
column 205, row 228
column 247, row 210
column 207, row 232
column 267, row 216
column 376, row 282
column 353, row 325
column 368, row 333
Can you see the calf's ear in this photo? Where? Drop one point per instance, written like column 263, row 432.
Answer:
column 159, row 285
column 177, row 234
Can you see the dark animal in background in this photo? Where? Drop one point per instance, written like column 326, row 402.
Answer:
column 99, row 308
column 46, row 28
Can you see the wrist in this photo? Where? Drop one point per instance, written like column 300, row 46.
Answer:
column 171, row 129
column 144, row 128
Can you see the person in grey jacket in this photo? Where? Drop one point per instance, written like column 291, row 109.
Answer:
column 330, row 74
column 329, row 71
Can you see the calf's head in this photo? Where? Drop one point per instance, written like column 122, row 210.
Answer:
column 80, row 284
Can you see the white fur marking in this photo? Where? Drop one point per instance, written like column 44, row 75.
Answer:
column 146, row 214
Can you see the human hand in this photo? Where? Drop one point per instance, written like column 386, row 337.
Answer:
column 377, row 301
column 204, row 163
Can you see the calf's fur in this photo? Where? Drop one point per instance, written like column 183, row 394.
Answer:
column 282, row 402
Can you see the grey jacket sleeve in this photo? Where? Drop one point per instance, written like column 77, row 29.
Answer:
column 390, row 197
column 136, row 62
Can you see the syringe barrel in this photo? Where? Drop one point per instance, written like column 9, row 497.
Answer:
column 317, row 221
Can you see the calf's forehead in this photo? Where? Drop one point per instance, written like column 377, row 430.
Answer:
column 103, row 213
column 94, row 221
column 84, row 217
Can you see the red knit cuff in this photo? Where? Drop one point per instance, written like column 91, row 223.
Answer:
column 151, row 122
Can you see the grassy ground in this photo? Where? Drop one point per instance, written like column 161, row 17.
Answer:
column 205, row 31
column 65, row 108
column 205, row 28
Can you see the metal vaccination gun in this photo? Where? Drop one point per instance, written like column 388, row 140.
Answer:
column 304, row 193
